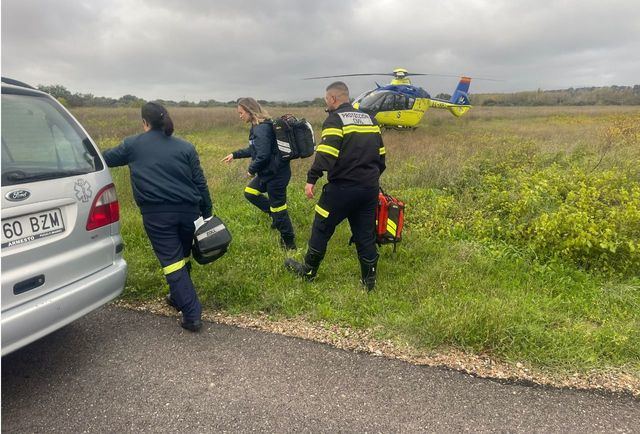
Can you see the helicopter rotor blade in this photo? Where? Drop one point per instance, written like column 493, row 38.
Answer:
column 432, row 75
column 487, row 79
column 347, row 75
column 455, row 76
column 408, row 74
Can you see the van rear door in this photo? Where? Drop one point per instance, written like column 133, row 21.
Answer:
column 51, row 177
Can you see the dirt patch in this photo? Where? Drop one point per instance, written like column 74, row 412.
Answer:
column 363, row 341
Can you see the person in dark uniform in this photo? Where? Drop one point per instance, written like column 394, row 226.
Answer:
column 269, row 173
column 353, row 155
column 171, row 191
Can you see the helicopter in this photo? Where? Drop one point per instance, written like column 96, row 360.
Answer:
column 401, row 105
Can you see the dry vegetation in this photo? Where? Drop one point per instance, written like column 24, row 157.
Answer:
column 522, row 243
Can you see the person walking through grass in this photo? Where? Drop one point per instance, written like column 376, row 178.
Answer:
column 353, row 155
column 269, row 174
column 171, row 191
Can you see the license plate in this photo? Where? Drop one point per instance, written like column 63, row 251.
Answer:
column 31, row 227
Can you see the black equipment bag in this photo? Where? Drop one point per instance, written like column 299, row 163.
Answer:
column 210, row 241
column 294, row 137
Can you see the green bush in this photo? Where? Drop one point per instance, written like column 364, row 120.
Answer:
column 558, row 210
column 592, row 219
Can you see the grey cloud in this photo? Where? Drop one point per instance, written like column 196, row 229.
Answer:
column 203, row 49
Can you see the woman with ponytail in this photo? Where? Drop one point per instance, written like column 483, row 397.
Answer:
column 171, row 190
column 269, row 174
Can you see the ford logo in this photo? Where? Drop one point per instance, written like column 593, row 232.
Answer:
column 18, row 195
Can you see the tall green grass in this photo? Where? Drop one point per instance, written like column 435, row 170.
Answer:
column 474, row 271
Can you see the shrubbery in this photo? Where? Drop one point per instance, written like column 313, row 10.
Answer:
column 591, row 219
column 555, row 206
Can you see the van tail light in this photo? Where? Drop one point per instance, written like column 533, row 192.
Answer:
column 105, row 209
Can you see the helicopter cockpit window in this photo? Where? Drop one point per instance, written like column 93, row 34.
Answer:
column 402, row 102
column 394, row 102
column 372, row 102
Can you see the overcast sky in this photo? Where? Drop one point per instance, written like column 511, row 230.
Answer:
column 207, row 49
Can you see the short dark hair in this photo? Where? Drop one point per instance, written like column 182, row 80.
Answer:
column 340, row 86
column 157, row 117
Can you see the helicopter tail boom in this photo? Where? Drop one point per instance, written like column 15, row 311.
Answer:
column 459, row 103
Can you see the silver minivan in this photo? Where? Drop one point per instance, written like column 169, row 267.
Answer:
column 61, row 243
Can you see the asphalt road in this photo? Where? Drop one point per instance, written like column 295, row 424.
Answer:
column 121, row 371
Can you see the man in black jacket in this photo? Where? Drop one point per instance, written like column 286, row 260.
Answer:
column 353, row 155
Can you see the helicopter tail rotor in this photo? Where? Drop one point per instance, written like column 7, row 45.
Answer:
column 461, row 94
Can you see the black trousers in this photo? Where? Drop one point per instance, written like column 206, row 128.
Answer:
column 275, row 203
column 357, row 204
column 171, row 236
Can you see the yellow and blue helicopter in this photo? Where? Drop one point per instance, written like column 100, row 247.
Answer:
column 402, row 105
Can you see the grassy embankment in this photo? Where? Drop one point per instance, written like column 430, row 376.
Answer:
column 522, row 241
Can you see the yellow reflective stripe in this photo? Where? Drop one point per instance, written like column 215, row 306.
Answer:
column 251, row 191
column 331, row 132
column 361, row 129
column 278, row 208
column 323, row 212
column 392, row 227
column 383, row 151
column 174, row 267
column 328, row 150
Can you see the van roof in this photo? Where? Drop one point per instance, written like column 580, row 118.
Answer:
column 8, row 80
column 16, row 86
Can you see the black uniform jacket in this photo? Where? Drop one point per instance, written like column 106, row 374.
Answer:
column 166, row 175
column 264, row 160
column 351, row 150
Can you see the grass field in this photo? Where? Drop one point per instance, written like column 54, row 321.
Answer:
column 522, row 239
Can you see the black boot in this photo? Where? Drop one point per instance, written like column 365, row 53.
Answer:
column 172, row 303
column 368, row 270
column 288, row 244
column 192, row 326
column 309, row 268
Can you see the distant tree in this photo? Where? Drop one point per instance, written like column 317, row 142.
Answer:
column 131, row 101
column 56, row 90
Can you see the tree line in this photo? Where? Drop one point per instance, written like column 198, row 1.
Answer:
column 584, row 96
column 89, row 100
column 608, row 95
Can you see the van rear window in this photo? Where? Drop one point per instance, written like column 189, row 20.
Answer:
column 40, row 141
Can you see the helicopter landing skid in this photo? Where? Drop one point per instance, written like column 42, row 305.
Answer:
column 399, row 128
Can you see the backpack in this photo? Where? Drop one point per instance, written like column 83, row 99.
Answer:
column 294, row 137
column 389, row 219
column 210, row 241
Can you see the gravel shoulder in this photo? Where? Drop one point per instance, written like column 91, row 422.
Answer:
column 120, row 370
column 481, row 366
